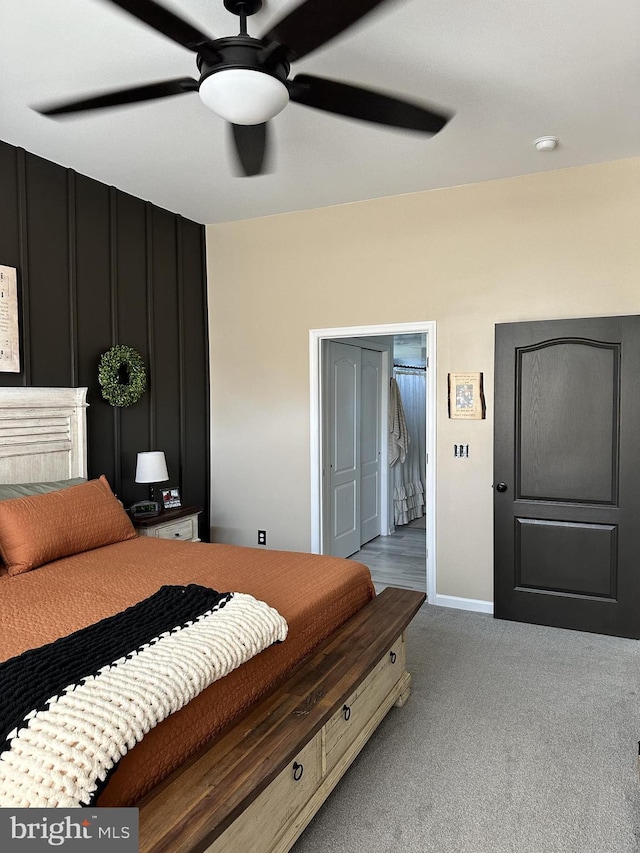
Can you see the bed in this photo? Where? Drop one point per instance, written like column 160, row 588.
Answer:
column 246, row 762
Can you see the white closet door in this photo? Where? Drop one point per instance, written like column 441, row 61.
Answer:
column 370, row 444
column 344, row 449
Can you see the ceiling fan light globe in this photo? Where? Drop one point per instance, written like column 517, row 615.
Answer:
column 243, row 95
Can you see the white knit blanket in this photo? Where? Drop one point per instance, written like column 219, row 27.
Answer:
column 60, row 753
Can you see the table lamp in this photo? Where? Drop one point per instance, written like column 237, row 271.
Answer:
column 151, row 467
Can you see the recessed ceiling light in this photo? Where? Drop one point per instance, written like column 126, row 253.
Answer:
column 546, row 143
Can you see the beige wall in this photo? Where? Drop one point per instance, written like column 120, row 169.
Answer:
column 556, row 244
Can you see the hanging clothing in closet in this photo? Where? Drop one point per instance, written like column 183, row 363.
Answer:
column 398, row 432
column 408, row 473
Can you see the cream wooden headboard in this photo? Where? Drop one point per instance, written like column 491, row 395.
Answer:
column 43, row 434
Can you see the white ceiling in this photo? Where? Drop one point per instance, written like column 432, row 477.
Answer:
column 511, row 70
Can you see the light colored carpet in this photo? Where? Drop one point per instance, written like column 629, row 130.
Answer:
column 516, row 739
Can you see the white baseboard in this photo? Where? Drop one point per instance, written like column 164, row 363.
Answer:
column 475, row 604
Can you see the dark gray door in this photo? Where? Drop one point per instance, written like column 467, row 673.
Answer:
column 567, row 474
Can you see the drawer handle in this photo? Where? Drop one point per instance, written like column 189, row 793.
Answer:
column 177, row 534
column 393, row 657
column 298, row 770
column 346, row 710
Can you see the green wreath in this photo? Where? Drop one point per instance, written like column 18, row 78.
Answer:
column 122, row 376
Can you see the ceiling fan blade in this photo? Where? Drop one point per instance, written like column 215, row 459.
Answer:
column 251, row 145
column 364, row 104
column 164, row 21
column 125, row 96
column 315, row 22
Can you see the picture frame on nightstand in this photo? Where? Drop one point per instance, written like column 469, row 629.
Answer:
column 170, row 498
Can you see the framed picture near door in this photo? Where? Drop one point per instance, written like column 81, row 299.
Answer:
column 466, row 396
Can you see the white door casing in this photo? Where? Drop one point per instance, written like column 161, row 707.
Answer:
column 318, row 453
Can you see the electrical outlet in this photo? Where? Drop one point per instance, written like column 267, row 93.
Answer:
column 262, row 537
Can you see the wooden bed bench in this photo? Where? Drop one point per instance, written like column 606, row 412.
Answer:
column 259, row 784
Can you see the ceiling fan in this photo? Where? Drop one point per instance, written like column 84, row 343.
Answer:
column 245, row 80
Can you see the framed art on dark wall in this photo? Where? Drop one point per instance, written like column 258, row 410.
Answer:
column 170, row 498
column 466, row 396
column 9, row 331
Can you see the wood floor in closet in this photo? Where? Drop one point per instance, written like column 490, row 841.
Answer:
column 397, row 560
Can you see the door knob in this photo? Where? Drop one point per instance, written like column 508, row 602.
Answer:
column 501, row 487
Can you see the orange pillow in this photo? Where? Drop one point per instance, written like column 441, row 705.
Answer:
column 38, row 529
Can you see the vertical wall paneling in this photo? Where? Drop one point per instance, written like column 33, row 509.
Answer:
column 73, row 283
column 148, row 221
column 9, row 209
column 48, row 252
column 195, row 463
column 116, row 467
column 131, row 324
column 23, row 265
column 10, row 224
column 98, row 267
column 113, row 261
column 166, row 349
column 93, row 251
column 181, row 335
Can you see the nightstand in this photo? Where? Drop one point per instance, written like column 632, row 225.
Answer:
column 179, row 523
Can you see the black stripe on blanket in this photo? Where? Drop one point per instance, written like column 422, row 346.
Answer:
column 30, row 679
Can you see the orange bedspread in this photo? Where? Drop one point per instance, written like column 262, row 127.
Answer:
column 314, row 594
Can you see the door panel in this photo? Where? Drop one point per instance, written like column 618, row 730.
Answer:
column 567, row 453
column 346, row 416
column 369, row 503
column 580, row 558
column 344, row 504
column 344, row 449
column 370, row 385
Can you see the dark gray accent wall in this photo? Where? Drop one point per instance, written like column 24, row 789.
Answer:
column 97, row 267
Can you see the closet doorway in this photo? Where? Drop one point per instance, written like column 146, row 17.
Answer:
column 405, row 493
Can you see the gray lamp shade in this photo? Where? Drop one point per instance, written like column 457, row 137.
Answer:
column 151, row 467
